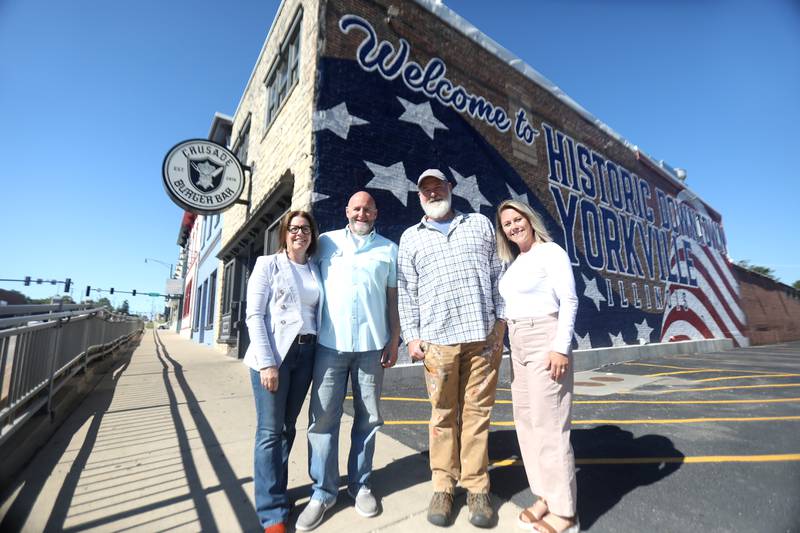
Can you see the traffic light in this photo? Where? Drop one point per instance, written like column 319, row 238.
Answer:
column 88, row 290
column 67, row 284
column 112, row 290
column 134, row 292
column 27, row 280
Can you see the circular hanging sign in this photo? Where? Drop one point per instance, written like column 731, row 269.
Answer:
column 202, row 177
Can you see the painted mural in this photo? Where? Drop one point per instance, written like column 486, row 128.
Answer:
column 649, row 257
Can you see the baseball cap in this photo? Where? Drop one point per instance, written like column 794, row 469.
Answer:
column 433, row 173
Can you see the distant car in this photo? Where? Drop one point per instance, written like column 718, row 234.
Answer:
column 163, row 326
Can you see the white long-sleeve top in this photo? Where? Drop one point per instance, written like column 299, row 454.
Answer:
column 540, row 283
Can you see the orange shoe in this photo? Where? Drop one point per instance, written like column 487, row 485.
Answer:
column 276, row 528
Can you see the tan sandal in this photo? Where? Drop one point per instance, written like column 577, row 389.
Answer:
column 527, row 518
column 542, row 526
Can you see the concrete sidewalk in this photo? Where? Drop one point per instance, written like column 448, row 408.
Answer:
column 165, row 442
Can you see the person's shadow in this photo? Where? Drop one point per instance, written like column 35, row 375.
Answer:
column 610, row 463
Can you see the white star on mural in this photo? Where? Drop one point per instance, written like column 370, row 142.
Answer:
column 591, row 291
column 616, row 340
column 584, row 343
column 318, row 197
column 337, row 119
column 421, row 115
column 518, row 197
column 643, row 330
column 393, row 179
column 467, row 188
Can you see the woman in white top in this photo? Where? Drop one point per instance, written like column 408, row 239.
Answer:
column 539, row 291
column 284, row 301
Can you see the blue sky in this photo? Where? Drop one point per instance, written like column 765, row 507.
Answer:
column 94, row 93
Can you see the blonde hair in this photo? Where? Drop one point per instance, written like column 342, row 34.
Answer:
column 507, row 250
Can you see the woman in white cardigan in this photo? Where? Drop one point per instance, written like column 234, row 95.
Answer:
column 284, row 300
column 539, row 292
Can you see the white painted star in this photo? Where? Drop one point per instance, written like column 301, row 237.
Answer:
column 616, row 340
column 336, row 119
column 467, row 188
column 422, row 116
column 591, row 291
column 318, row 197
column 518, row 197
column 584, row 343
column 643, row 330
column 393, row 179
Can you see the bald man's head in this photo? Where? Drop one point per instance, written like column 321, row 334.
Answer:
column 361, row 213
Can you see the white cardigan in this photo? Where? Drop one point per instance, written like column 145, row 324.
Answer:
column 273, row 310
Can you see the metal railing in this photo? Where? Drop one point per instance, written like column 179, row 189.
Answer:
column 43, row 346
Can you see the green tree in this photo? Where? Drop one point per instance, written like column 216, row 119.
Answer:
column 796, row 284
column 758, row 269
column 124, row 308
column 104, row 302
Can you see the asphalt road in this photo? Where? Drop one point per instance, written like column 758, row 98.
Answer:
column 707, row 442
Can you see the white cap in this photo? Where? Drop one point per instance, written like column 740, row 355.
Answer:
column 433, row 173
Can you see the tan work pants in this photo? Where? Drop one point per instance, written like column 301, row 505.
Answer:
column 462, row 381
column 543, row 414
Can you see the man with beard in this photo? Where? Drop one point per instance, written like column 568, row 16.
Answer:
column 357, row 338
column 450, row 309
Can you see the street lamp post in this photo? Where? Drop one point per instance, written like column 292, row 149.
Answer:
column 167, row 265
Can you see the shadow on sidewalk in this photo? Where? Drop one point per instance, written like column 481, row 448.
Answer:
column 36, row 476
column 635, row 463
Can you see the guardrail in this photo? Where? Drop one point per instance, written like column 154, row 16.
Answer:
column 43, row 346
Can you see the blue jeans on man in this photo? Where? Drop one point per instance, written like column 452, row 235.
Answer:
column 332, row 369
column 276, row 416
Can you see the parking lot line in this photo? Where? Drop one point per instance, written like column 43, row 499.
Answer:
column 752, row 376
column 628, row 402
column 730, row 387
column 697, row 459
column 700, row 370
column 639, row 421
column 643, row 421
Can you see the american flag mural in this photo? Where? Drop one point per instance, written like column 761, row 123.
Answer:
column 648, row 256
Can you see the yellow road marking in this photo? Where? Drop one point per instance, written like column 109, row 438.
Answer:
column 748, row 377
column 699, row 370
column 657, row 460
column 679, row 402
column 508, row 423
column 657, row 366
column 671, row 420
column 773, row 386
column 628, row 402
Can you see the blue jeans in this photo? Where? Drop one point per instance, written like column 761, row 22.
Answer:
column 276, row 415
column 331, row 370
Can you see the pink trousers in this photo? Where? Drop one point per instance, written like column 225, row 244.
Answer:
column 543, row 414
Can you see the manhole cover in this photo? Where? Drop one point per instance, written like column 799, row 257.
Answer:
column 587, row 384
column 606, row 378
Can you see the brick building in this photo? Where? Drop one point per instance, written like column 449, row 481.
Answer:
column 357, row 94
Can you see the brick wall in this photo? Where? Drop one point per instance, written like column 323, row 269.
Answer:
column 772, row 308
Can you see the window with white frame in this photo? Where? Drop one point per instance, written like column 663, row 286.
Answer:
column 285, row 70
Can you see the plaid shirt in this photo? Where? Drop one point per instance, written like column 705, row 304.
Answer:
column 447, row 286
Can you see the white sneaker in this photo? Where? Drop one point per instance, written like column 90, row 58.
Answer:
column 312, row 515
column 366, row 504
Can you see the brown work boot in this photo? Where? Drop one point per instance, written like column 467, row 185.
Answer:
column 481, row 512
column 440, row 509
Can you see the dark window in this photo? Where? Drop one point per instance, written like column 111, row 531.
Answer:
column 285, row 71
column 227, row 287
column 197, row 305
column 212, row 292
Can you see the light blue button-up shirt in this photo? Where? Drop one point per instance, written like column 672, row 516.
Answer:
column 355, row 274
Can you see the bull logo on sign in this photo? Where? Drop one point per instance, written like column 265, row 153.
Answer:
column 206, row 175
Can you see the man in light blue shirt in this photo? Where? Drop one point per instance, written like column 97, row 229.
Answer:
column 357, row 338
